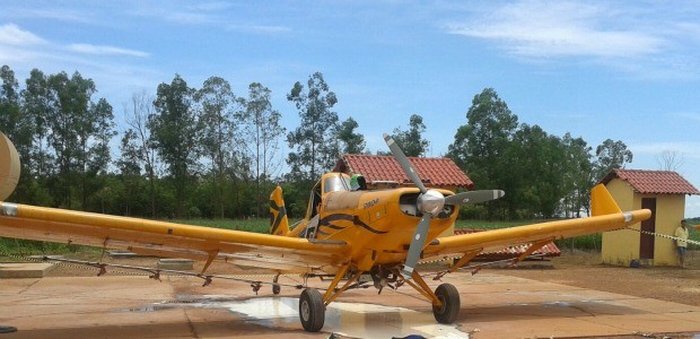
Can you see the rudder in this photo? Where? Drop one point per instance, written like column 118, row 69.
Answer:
column 279, row 224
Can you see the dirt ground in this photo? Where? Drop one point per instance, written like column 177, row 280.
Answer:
column 584, row 269
column 579, row 269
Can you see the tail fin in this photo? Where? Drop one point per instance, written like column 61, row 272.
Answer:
column 279, row 224
column 602, row 202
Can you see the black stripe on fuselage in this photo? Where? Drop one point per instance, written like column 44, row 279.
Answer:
column 326, row 221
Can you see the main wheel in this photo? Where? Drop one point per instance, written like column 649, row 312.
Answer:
column 312, row 311
column 449, row 296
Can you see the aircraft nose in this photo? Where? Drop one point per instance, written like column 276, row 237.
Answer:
column 431, row 202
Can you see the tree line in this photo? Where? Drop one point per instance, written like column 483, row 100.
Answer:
column 208, row 152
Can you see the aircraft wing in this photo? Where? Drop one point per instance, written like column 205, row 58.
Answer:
column 271, row 253
column 606, row 217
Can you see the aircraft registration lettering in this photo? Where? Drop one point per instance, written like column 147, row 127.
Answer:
column 371, row 203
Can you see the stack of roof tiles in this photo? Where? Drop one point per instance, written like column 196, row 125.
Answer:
column 434, row 172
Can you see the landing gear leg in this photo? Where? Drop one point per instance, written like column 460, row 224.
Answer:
column 445, row 299
column 312, row 305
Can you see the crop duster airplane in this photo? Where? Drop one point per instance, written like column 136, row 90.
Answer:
column 345, row 234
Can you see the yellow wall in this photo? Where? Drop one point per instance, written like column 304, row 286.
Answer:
column 669, row 213
column 620, row 247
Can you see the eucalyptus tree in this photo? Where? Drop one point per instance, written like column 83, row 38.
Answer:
column 351, row 141
column 80, row 131
column 36, row 106
column 218, row 105
column 262, row 130
column 611, row 155
column 411, row 140
column 141, row 109
column 480, row 145
column 314, row 145
column 174, row 131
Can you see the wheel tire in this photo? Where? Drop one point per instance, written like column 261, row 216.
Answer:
column 276, row 289
column 312, row 311
column 449, row 296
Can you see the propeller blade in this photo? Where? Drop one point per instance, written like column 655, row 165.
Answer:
column 416, row 246
column 403, row 161
column 473, row 197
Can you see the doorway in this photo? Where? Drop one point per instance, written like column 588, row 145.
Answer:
column 646, row 241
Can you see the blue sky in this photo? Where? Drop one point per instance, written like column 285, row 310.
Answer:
column 622, row 70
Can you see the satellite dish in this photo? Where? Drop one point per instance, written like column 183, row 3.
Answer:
column 9, row 167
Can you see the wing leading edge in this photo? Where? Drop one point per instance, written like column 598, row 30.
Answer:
column 275, row 253
column 606, row 217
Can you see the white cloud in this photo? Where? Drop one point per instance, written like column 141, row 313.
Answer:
column 105, row 50
column 11, row 34
column 555, row 29
column 646, row 41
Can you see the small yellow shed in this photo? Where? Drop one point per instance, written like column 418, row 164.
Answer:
column 663, row 192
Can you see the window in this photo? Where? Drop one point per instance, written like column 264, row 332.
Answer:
column 336, row 183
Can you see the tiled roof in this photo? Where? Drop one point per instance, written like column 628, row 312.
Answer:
column 434, row 172
column 653, row 182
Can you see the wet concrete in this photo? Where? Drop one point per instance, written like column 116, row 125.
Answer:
column 493, row 306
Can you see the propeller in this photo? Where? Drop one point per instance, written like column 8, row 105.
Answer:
column 430, row 203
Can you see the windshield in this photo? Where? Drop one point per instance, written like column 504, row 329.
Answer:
column 336, row 183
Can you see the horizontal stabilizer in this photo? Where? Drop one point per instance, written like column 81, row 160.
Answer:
column 602, row 203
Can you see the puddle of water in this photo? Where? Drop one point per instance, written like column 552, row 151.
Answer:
column 356, row 320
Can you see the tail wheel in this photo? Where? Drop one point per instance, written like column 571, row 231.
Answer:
column 312, row 311
column 276, row 289
column 449, row 296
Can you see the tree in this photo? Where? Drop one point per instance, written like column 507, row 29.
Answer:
column 578, row 174
column 611, row 155
column 669, row 160
column 536, row 174
column 263, row 130
column 314, row 141
column 141, row 110
column 37, row 107
column 174, row 131
column 480, row 145
column 72, row 121
column 352, row 142
column 218, row 104
column 129, row 165
column 411, row 141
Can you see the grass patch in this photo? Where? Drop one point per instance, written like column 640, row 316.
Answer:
column 17, row 249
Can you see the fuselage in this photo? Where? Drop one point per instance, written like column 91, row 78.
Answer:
column 378, row 224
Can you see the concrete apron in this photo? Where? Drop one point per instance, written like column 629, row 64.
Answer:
column 493, row 306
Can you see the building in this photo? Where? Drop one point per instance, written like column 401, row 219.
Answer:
column 385, row 172
column 663, row 192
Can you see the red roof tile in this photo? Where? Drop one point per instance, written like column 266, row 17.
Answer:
column 653, row 182
column 435, row 172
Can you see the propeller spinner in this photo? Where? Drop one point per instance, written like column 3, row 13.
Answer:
column 430, row 203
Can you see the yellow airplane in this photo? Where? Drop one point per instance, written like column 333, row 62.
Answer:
column 346, row 233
